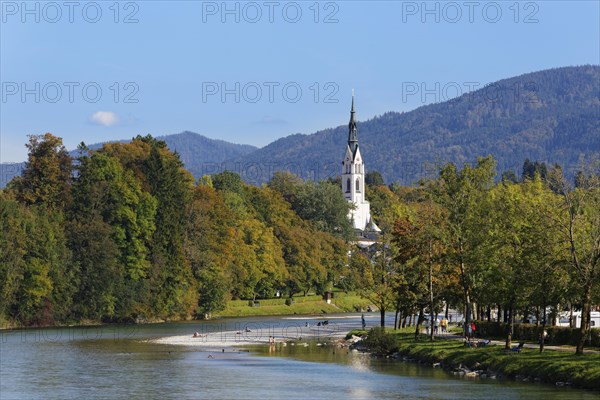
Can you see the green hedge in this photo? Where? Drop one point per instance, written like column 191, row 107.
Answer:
column 558, row 335
column 595, row 337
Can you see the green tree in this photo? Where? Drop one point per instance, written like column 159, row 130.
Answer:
column 419, row 243
column 581, row 209
column 379, row 281
column 321, row 203
column 96, row 256
column 208, row 246
column 104, row 190
column 460, row 193
column 47, row 176
column 171, row 279
column 13, row 247
column 35, row 271
column 227, row 181
column 374, row 178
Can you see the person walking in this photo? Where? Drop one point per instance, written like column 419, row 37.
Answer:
column 444, row 325
column 362, row 319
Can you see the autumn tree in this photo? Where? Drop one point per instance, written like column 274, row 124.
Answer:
column 47, row 175
column 36, row 275
column 419, row 242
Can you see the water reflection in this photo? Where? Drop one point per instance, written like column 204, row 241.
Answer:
column 116, row 362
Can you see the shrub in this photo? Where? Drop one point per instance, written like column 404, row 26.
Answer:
column 563, row 335
column 527, row 332
column 380, row 342
column 595, row 337
column 356, row 332
column 490, row 329
column 289, row 301
column 557, row 335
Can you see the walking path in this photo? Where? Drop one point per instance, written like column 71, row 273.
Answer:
column 526, row 345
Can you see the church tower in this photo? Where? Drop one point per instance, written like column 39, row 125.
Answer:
column 353, row 179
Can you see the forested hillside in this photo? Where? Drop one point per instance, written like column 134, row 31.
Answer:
column 199, row 154
column 123, row 233
column 551, row 116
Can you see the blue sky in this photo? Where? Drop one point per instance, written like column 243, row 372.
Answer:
column 252, row 72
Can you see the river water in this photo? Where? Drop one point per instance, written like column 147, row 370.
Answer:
column 123, row 362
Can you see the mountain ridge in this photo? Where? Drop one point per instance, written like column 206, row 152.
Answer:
column 198, row 153
column 551, row 115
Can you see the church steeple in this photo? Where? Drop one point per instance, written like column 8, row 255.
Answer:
column 353, row 180
column 352, row 131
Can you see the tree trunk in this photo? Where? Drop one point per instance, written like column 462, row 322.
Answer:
column 586, row 308
column 542, row 336
column 397, row 316
column 382, row 315
column 467, row 298
column 572, row 323
column 432, row 324
column 555, row 315
column 511, row 327
column 418, row 324
column 499, row 313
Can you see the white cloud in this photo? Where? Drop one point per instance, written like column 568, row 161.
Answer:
column 106, row 118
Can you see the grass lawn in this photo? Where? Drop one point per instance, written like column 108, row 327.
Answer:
column 311, row 304
column 550, row 366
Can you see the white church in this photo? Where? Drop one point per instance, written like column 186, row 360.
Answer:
column 353, row 184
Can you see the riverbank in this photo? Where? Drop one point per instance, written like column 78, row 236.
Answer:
column 556, row 367
column 285, row 330
column 302, row 305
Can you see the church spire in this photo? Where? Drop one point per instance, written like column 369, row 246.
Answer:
column 352, row 131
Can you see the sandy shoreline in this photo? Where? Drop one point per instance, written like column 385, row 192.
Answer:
column 225, row 339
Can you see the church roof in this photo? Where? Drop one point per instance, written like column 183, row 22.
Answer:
column 352, row 130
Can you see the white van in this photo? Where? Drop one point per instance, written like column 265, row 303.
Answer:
column 564, row 319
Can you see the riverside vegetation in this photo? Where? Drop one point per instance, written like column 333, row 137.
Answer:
column 125, row 233
column 553, row 366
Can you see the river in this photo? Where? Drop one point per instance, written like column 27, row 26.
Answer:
column 126, row 362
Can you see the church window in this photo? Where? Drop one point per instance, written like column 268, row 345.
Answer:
column 357, row 185
column 348, row 185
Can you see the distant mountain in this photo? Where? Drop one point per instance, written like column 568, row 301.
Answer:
column 199, row 154
column 551, row 115
column 202, row 155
